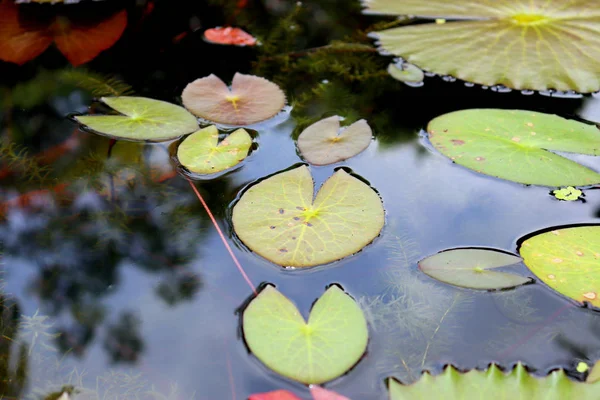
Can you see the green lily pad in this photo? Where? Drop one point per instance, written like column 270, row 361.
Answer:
column 567, row 260
column 515, row 145
column 329, row 344
column 278, row 219
column 251, row 99
column 473, row 268
column 406, row 72
column 536, row 45
column 568, row 194
column 492, row 383
column 201, row 153
column 143, row 119
column 324, row 143
column 594, row 375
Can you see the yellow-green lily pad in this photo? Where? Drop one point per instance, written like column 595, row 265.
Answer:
column 278, row 219
column 405, row 72
column 473, row 268
column 517, row 145
column 533, row 44
column 202, row 153
column 493, row 383
column 568, row 194
column 567, row 260
column 323, row 142
column 142, row 119
column 329, row 344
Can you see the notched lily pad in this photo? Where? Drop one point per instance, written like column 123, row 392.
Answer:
column 324, row 143
column 473, row 269
column 517, row 145
column 202, row 153
column 329, row 344
column 405, row 72
column 250, row 100
column 567, row 260
column 278, row 219
column 493, row 383
column 533, row 45
column 142, row 119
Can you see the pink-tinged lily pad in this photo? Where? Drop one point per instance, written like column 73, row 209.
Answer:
column 275, row 395
column 251, row 99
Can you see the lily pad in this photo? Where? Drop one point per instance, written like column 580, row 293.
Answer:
column 278, row 219
column 324, row 143
column 143, row 119
column 517, row 383
column 201, row 153
column 567, row 260
column 516, row 145
column 251, row 99
column 536, row 45
column 405, row 72
column 329, row 344
column 568, row 194
column 473, row 268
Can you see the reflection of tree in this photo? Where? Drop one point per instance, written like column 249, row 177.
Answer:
column 123, row 340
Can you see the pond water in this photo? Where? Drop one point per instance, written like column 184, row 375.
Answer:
column 116, row 282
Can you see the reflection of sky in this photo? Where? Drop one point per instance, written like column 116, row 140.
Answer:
column 427, row 198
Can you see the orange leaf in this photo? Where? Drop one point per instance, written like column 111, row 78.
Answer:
column 228, row 35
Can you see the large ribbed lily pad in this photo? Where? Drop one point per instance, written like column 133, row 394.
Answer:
column 533, row 44
column 313, row 352
column 324, row 143
column 567, row 260
column 142, row 119
column 278, row 219
column 515, row 145
column 202, row 153
column 517, row 384
column 473, row 268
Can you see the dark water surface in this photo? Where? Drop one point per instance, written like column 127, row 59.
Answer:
column 120, row 286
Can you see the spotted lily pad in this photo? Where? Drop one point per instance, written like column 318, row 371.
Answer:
column 324, row 143
column 568, row 194
column 142, row 119
column 567, row 260
column 329, row 344
column 516, row 145
column 250, row 99
column 492, row 383
column 473, row 268
column 201, row 153
column 536, row 45
column 278, row 219
column 405, row 72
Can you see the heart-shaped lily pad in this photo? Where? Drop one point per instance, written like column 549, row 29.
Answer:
column 251, row 99
column 143, row 119
column 278, row 219
column 567, row 260
column 323, row 143
column 473, row 268
column 317, row 351
column 533, row 44
column 515, row 145
column 405, row 72
column 493, row 383
column 201, row 153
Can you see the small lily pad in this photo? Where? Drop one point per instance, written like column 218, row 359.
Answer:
column 405, row 72
column 329, row 344
column 517, row 145
column 473, row 268
column 567, row 260
column 143, row 119
column 201, row 153
column 278, row 219
column 493, row 383
column 250, row 100
column 324, row 143
column 568, row 194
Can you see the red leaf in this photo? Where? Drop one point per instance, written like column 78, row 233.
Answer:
column 229, row 35
column 318, row 393
column 20, row 40
column 276, row 395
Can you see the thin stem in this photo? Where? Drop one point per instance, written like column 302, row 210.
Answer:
column 223, row 239
column 438, row 328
